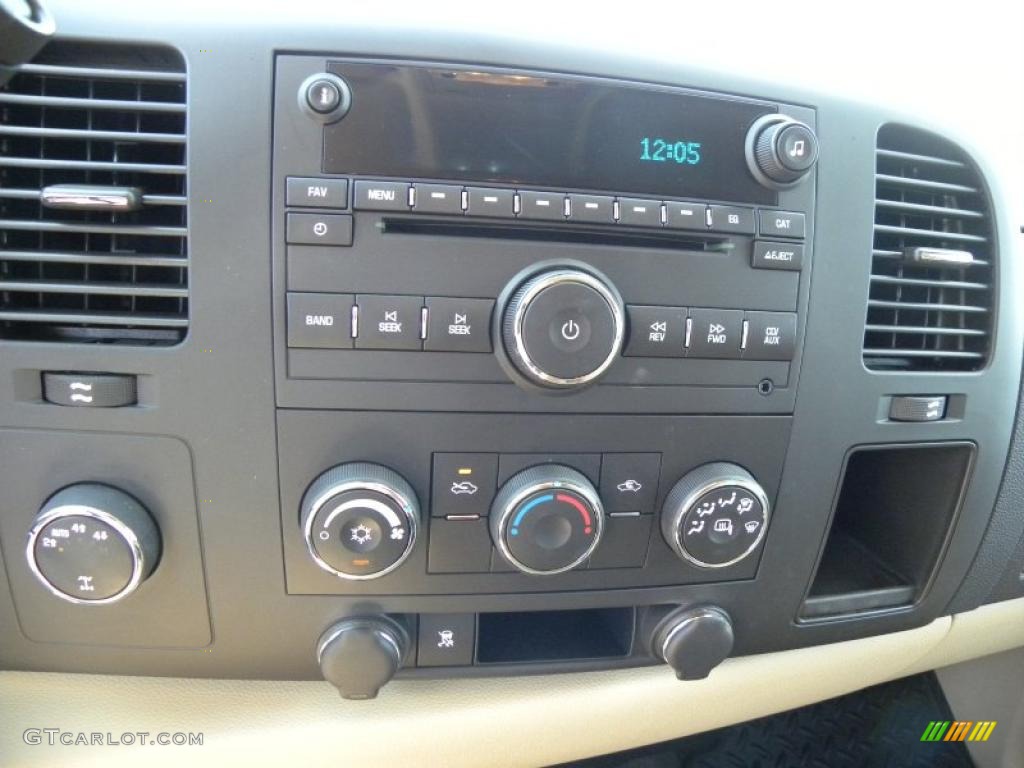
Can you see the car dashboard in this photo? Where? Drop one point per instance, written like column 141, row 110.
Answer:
column 485, row 374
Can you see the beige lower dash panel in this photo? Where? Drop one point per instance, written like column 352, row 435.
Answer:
column 530, row 721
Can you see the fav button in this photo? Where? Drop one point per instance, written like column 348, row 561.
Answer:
column 463, row 483
column 389, row 322
column 458, row 325
column 715, row 333
column 317, row 193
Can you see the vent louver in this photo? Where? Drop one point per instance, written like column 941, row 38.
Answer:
column 93, row 196
column 933, row 264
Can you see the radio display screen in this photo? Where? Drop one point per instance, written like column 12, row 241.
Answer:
column 484, row 126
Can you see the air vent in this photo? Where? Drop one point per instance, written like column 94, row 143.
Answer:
column 93, row 196
column 933, row 263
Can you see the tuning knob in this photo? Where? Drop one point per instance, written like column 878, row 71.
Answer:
column 715, row 516
column 693, row 641
column 547, row 520
column 359, row 520
column 358, row 656
column 780, row 150
column 92, row 544
column 563, row 327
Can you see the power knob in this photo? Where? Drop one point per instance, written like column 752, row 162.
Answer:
column 780, row 150
column 561, row 327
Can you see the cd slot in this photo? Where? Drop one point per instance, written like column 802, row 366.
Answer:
column 530, row 231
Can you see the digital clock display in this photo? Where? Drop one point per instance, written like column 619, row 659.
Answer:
column 669, row 151
column 526, row 129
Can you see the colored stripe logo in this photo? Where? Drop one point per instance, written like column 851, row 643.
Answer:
column 958, row 730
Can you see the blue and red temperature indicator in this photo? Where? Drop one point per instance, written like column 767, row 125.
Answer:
column 560, row 498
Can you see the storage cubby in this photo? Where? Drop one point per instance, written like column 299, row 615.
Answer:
column 893, row 514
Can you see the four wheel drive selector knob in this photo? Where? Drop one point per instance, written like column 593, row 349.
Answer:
column 547, row 520
column 92, row 544
column 562, row 326
column 359, row 520
column 715, row 515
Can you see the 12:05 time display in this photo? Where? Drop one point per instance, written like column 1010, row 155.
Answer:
column 662, row 151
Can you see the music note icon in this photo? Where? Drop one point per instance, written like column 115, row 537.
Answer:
column 797, row 150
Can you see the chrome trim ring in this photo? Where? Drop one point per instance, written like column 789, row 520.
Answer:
column 407, row 507
column 586, row 491
column 683, row 509
column 81, row 510
column 533, row 287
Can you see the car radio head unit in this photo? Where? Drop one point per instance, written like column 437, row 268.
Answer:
column 542, row 131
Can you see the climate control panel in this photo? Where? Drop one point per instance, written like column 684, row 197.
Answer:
column 464, row 503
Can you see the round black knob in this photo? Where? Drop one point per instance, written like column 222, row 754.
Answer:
column 780, row 150
column 92, row 544
column 693, row 641
column 563, row 328
column 715, row 516
column 359, row 520
column 358, row 656
column 547, row 520
column 325, row 97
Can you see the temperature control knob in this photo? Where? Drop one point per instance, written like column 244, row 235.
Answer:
column 781, row 150
column 359, row 520
column 715, row 516
column 92, row 544
column 563, row 327
column 547, row 520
